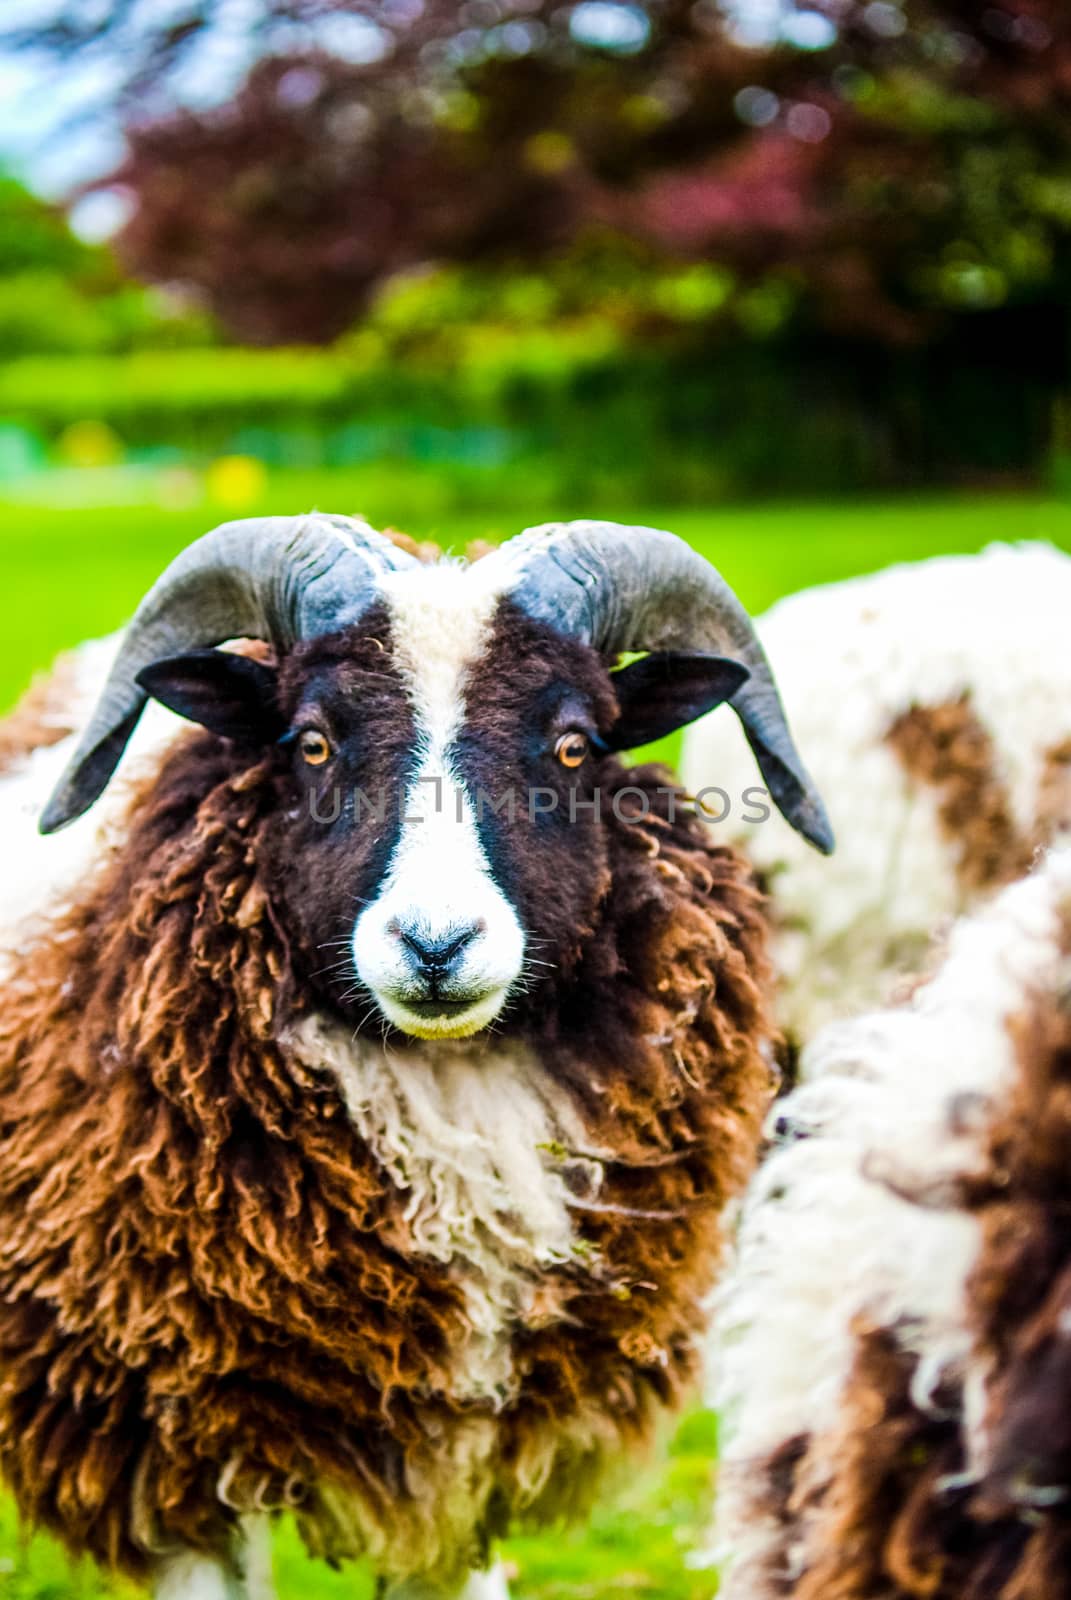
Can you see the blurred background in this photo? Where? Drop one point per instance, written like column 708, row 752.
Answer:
column 793, row 279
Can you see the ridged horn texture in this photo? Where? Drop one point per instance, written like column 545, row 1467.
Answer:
column 631, row 588
column 279, row 579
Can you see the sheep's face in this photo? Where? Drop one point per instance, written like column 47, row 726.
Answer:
column 434, row 752
column 437, row 849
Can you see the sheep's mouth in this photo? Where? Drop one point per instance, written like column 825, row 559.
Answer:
column 440, row 1008
column 443, row 1018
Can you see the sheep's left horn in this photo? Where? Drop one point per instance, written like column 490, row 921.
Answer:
column 279, row 579
column 627, row 588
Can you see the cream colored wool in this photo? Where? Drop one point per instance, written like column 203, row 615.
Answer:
column 474, row 1142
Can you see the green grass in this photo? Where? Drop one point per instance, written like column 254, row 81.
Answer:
column 640, row 1545
column 77, row 569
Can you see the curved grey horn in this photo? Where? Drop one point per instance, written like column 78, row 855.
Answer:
column 627, row 588
column 274, row 578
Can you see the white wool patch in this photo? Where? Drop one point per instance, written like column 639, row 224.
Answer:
column 189, row 1576
column 473, row 1134
column 440, row 618
column 439, row 880
column 39, row 870
column 257, row 1565
column 849, row 658
column 491, row 1585
column 823, row 1239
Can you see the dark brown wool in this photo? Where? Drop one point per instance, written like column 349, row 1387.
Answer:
column 777, row 1499
column 1053, row 807
column 947, row 748
column 196, row 1290
column 893, row 1526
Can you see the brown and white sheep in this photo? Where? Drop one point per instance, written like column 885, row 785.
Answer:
column 934, row 702
column 364, row 1140
column 894, row 1342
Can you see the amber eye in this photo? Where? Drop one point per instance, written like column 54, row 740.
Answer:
column 571, row 748
column 314, row 748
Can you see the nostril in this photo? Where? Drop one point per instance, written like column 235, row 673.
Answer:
column 465, row 937
column 416, row 947
column 436, row 954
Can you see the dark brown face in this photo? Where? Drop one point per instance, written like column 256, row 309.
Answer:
column 440, row 884
column 439, row 850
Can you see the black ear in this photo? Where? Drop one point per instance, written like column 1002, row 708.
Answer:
column 224, row 692
column 661, row 692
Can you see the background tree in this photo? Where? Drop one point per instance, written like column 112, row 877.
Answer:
column 58, row 293
column 914, row 161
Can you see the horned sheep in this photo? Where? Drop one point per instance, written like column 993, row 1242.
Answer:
column 894, row 1342
column 934, row 702
column 359, row 1159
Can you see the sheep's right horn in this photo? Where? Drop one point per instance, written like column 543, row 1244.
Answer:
column 279, row 579
column 632, row 588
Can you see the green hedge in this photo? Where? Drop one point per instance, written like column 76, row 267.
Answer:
column 671, row 422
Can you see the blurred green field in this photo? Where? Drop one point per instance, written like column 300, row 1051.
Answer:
column 75, row 565
column 75, row 570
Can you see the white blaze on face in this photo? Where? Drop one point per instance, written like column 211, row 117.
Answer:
column 438, row 895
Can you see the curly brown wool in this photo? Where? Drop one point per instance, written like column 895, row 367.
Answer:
column 199, row 1309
